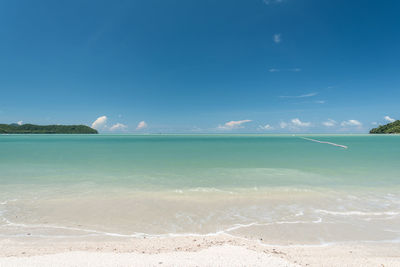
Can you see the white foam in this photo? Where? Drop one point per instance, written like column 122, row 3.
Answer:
column 324, row 142
column 319, row 220
column 6, row 201
column 209, row 190
column 3, row 203
column 238, row 226
column 300, row 213
column 137, row 234
column 178, row 191
column 358, row 213
column 169, row 235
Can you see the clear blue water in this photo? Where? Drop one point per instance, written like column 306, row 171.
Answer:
column 176, row 161
column 163, row 184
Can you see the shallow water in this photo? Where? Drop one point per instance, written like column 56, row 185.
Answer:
column 282, row 188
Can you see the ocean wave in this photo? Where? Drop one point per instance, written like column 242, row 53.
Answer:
column 7, row 201
column 204, row 190
column 358, row 213
column 244, row 190
column 178, row 191
column 227, row 232
column 137, row 234
column 300, row 213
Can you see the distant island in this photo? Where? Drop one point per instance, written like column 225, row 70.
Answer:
column 390, row 128
column 45, row 129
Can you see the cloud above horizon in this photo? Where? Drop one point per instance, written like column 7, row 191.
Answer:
column 266, row 127
column 351, row 123
column 283, row 124
column 287, row 70
column 118, row 127
column 299, row 123
column 329, row 123
column 268, row 2
column 389, row 119
column 277, row 38
column 294, row 124
column 233, row 125
column 20, row 122
column 141, row 125
column 299, row 96
column 99, row 122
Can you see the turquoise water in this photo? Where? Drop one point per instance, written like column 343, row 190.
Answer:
column 176, row 161
column 163, row 184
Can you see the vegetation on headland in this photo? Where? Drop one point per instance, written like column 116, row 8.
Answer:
column 390, row 128
column 45, row 129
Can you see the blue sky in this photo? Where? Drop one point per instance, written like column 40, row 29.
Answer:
column 207, row 66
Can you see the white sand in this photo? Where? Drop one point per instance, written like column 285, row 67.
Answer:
column 222, row 250
column 214, row 256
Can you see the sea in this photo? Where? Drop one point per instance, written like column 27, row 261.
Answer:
column 281, row 189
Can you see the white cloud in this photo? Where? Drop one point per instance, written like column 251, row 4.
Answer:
column 299, row 123
column 266, row 127
column 294, row 124
column 374, row 123
column 118, row 127
column 283, row 124
column 141, row 125
column 20, row 122
column 299, row 96
column 320, row 101
column 351, row 123
column 233, row 125
column 329, row 123
column 277, row 38
column 289, row 70
column 387, row 118
column 99, row 122
column 268, row 2
column 196, row 129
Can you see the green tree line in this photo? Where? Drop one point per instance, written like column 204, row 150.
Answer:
column 390, row 128
column 45, row 129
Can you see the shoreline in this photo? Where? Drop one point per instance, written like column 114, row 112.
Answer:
column 223, row 250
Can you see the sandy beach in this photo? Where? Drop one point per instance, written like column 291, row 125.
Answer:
column 223, row 250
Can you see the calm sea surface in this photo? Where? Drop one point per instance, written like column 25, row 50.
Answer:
column 282, row 188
